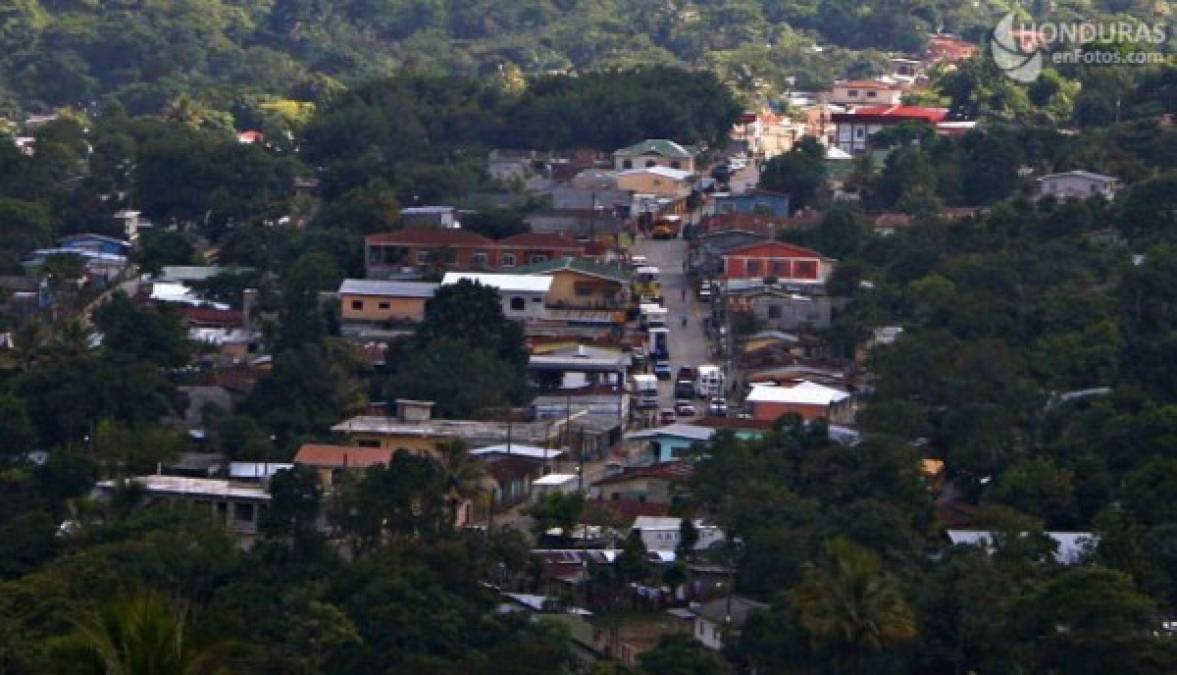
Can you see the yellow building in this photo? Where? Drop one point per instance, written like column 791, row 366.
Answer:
column 580, row 283
column 377, row 301
column 656, row 180
column 655, row 152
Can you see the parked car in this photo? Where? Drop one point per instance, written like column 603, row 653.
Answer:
column 705, row 293
column 638, row 260
column 718, row 407
column 685, row 374
column 667, row 416
column 662, row 370
column 684, row 389
column 685, row 409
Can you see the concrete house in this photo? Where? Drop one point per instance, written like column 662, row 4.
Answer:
column 372, row 300
column 864, row 92
column 330, row 460
column 854, row 128
column 1077, row 185
column 644, row 484
column 409, row 253
column 759, row 201
column 236, row 504
column 781, row 261
column 660, row 181
column 523, row 297
column 655, row 152
column 527, row 248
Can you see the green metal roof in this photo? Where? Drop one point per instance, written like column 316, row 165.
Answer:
column 582, row 265
column 657, row 146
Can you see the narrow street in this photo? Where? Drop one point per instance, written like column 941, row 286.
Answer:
column 688, row 346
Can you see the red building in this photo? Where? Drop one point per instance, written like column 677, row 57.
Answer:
column 854, row 128
column 392, row 254
column 785, row 262
column 535, row 247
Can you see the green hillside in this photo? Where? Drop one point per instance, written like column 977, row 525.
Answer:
column 148, row 52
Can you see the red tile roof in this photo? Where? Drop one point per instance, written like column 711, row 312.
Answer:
column 443, row 237
column 506, row 468
column 898, row 112
column 541, row 239
column 341, row 456
column 779, row 249
column 669, row 471
column 625, row 511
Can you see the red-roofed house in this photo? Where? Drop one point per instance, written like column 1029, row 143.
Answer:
column 391, row 254
column 535, row 247
column 948, row 48
column 854, row 128
column 329, row 460
column 782, row 261
column 865, row 92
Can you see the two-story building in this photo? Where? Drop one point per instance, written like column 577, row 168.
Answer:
column 528, row 248
column 408, row 253
column 810, row 400
column 237, row 504
column 655, row 152
column 784, row 262
column 854, row 128
column 864, row 92
column 580, row 283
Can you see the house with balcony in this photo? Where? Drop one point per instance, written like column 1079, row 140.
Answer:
column 854, row 128
column 412, row 253
column 528, row 248
column 580, row 283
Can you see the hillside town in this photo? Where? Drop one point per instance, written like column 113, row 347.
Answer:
column 874, row 378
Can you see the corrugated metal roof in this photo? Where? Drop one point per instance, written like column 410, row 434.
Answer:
column 392, row 289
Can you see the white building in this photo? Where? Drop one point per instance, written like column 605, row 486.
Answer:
column 664, row 533
column 1078, row 185
column 523, row 297
column 864, row 92
column 723, row 619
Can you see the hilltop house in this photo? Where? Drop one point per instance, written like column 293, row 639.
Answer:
column 854, row 128
column 1077, row 185
column 410, row 253
column 655, row 152
column 864, row 92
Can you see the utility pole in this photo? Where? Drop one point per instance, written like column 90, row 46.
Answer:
column 580, row 456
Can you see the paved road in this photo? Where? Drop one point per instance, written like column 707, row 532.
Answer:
column 688, row 347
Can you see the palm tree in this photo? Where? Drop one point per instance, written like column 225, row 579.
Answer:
column 140, row 636
column 852, row 604
column 462, row 473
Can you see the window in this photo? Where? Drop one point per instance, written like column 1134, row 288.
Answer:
column 774, row 311
column 384, row 305
column 860, row 132
column 616, row 496
column 478, row 259
column 872, row 94
column 518, row 304
column 627, row 164
column 700, row 628
column 583, row 290
column 243, row 513
column 537, row 299
column 508, row 260
column 778, row 268
column 852, row 93
column 805, row 269
column 538, row 258
column 357, row 304
column 368, row 443
column 675, row 164
column 753, row 267
column 650, row 163
column 423, row 257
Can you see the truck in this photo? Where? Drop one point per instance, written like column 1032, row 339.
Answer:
column 666, row 227
column 709, row 381
column 645, row 284
column 653, row 315
column 659, row 343
column 645, row 390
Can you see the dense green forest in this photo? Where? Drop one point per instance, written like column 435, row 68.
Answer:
column 233, row 54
